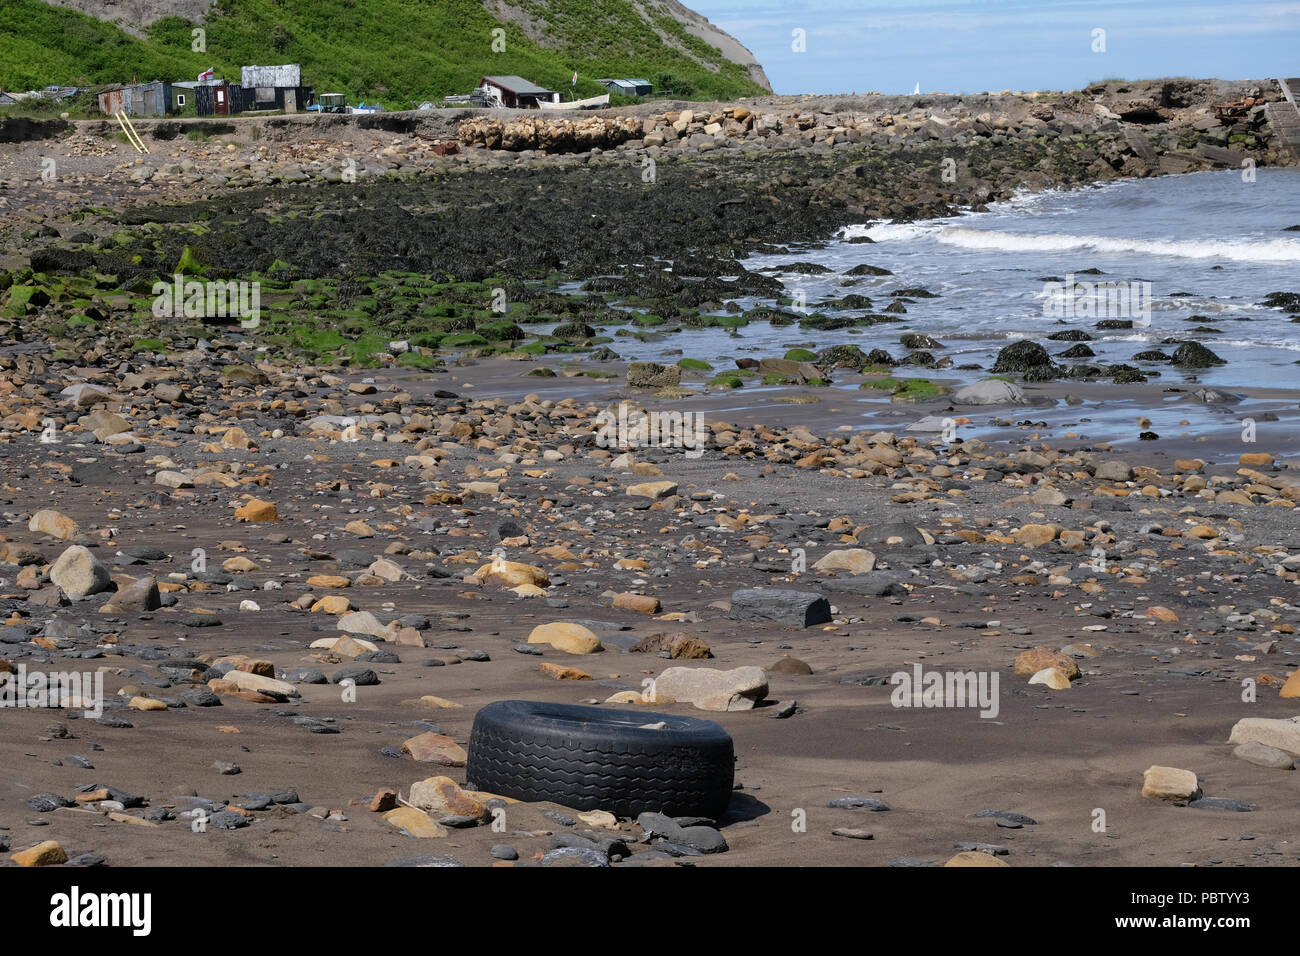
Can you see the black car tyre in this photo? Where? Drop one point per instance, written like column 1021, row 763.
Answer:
column 594, row 758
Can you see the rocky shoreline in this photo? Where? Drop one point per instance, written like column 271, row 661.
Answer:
column 303, row 555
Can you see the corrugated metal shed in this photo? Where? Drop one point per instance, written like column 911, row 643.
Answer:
column 631, row 86
column 143, row 99
column 270, row 77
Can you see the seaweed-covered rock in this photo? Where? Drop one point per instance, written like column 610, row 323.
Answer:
column 1195, row 355
column 880, row 357
column 1124, row 374
column 842, row 356
column 56, row 259
column 653, row 375
column 1288, row 302
column 827, row 323
column 1028, row 359
column 923, row 359
column 918, row 341
column 1070, row 335
column 1077, row 351
column 573, row 331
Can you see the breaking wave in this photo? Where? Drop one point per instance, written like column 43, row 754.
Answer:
column 1240, row 250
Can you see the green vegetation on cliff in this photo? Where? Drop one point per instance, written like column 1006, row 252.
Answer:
column 394, row 52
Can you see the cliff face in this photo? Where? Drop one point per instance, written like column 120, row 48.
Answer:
column 699, row 26
column 133, row 15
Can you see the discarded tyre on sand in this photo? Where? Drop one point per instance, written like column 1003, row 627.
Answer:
column 593, row 758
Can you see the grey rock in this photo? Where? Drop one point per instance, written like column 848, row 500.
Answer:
column 458, row 821
column 1006, row 815
column 780, row 606
column 858, row 803
column 307, row 675
column 992, row 849
column 360, row 676
column 991, row 391
column 876, row 584
column 574, row 856
column 1220, row 803
column 227, row 820
column 1262, row 755
column 1113, row 471
column 48, row 802
column 201, row 697
column 700, row 838
column 896, row 534
column 785, row 710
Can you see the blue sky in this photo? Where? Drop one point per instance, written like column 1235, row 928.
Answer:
column 968, row 46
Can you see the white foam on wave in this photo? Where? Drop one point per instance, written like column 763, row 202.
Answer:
column 1241, row 250
column 890, row 231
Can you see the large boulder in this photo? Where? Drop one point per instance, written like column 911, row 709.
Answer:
column 79, row 573
column 566, row 636
column 791, row 608
column 1027, row 359
column 137, row 597
column 53, row 523
column 851, row 560
column 363, row 622
column 708, row 689
column 897, row 534
column 1280, row 733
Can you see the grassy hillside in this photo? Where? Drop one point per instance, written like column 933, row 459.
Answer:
column 396, row 52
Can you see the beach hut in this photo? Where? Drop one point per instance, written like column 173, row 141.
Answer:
column 515, row 92
column 222, row 99
column 183, row 96
column 628, row 87
column 275, row 87
column 137, row 99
